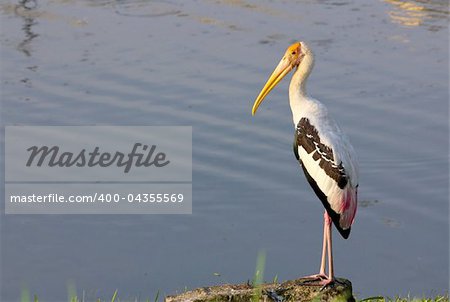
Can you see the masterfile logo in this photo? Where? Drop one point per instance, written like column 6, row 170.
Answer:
column 98, row 170
column 141, row 155
column 98, row 153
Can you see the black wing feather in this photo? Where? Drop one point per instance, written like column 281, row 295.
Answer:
column 306, row 135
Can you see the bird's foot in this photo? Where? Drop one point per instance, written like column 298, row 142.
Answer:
column 328, row 282
column 316, row 278
column 320, row 276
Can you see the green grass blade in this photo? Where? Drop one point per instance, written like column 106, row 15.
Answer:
column 258, row 279
column 71, row 292
column 24, row 295
column 114, row 296
column 376, row 298
column 157, row 296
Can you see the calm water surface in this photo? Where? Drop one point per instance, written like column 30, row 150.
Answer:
column 381, row 68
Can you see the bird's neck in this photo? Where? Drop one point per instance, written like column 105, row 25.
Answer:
column 297, row 87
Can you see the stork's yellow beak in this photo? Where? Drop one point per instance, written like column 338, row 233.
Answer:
column 287, row 63
column 277, row 75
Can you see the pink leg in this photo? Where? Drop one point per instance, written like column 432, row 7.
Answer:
column 322, row 275
column 324, row 245
column 330, row 278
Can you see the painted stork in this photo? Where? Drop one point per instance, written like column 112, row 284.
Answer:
column 323, row 151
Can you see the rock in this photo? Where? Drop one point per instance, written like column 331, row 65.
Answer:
column 302, row 289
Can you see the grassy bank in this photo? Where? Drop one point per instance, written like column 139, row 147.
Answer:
column 25, row 297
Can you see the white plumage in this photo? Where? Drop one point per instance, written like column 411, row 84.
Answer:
column 331, row 135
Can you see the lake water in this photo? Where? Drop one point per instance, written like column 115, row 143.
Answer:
column 381, row 68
